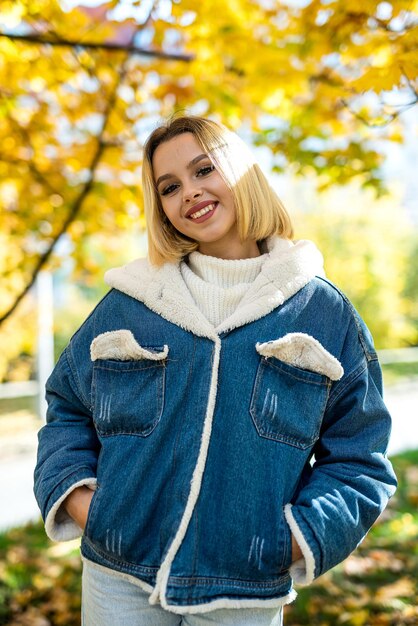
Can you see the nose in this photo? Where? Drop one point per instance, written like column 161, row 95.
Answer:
column 191, row 194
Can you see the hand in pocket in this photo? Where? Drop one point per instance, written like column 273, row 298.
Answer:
column 77, row 505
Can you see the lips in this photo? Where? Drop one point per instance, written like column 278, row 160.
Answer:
column 198, row 207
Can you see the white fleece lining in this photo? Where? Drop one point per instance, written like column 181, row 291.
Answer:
column 66, row 528
column 288, row 269
column 303, row 573
column 122, row 346
column 304, row 351
column 164, row 571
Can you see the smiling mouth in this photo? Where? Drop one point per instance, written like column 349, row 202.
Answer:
column 206, row 209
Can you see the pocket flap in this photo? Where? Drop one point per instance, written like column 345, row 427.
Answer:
column 302, row 350
column 121, row 345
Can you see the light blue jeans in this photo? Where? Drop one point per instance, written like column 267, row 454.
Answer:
column 108, row 600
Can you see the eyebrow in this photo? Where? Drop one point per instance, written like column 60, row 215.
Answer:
column 200, row 157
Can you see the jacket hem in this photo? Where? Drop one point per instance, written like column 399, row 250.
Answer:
column 93, row 554
column 220, row 603
column 116, row 574
column 228, row 603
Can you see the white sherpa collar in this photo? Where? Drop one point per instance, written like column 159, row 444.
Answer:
column 288, row 267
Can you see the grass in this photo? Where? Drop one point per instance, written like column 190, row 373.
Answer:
column 39, row 581
column 376, row 586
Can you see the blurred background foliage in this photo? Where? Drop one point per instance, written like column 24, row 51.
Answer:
column 325, row 85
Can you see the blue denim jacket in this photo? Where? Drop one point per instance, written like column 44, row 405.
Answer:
column 207, row 447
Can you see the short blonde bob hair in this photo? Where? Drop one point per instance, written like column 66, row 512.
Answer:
column 260, row 213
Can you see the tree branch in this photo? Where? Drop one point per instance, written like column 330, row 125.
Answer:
column 383, row 24
column 68, row 43
column 78, row 202
column 389, row 119
column 410, row 83
column 401, row 108
column 29, row 163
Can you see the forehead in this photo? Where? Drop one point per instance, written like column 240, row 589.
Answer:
column 174, row 153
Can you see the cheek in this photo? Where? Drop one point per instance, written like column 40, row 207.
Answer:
column 225, row 192
column 172, row 214
column 229, row 198
column 167, row 207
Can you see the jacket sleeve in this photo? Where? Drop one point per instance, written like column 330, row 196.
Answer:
column 351, row 479
column 68, row 445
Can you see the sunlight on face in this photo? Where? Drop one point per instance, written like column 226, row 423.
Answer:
column 234, row 159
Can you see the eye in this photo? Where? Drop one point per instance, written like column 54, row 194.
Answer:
column 169, row 189
column 206, row 169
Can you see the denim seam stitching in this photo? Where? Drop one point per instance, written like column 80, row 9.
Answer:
column 160, row 399
column 308, row 379
column 74, row 377
column 128, row 369
column 370, row 356
column 179, row 581
column 352, row 377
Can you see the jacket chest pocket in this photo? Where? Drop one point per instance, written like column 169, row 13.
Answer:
column 288, row 403
column 128, row 396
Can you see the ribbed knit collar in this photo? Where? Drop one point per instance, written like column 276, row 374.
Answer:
column 225, row 272
column 218, row 285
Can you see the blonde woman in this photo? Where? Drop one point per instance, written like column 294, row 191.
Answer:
column 216, row 430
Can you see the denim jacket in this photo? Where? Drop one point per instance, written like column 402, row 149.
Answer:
column 208, row 447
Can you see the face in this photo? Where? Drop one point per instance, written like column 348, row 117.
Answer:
column 194, row 196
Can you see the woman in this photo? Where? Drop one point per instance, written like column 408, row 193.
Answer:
column 216, row 428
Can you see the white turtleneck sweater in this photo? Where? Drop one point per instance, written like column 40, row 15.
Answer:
column 218, row 285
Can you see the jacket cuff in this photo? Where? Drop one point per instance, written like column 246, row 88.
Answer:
column 59, row 526
column 302, row 571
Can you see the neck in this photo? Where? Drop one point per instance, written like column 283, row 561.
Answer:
column 235, row 250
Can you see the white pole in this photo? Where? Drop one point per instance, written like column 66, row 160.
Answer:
column 45, row 332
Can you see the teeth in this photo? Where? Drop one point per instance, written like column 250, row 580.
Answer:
column 208, row 208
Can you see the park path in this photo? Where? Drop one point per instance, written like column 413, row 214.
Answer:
column 18, row 453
